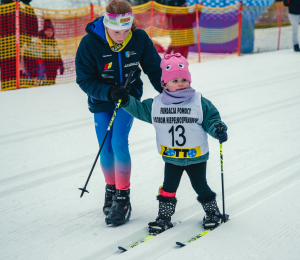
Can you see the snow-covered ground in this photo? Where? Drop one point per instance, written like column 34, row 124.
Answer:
column 48, row 146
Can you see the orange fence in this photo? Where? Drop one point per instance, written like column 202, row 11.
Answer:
column 38, row 46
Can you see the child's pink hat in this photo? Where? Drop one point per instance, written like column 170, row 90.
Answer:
column 174, row 66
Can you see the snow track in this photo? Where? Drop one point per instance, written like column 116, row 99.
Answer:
column 48, row 146
column 42, row 131
column 241, row 198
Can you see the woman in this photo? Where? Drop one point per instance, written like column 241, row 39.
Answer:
column 294, row 17
column 106, row 55
column 52, row 57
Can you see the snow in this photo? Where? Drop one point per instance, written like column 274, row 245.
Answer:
column 48, row 146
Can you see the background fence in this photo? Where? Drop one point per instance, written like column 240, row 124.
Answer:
column 38, row 46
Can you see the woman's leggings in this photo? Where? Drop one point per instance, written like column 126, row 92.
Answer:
column 196, row 173
column 115, row 159
column 294, row 19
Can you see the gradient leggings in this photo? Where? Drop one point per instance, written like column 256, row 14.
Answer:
column 115, row 159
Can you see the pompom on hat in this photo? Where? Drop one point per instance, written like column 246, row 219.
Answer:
column 174, row 66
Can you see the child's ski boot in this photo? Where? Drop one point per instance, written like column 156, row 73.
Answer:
column 213, row 217
column 165, row 212
column 110, row 190
column 120, row 210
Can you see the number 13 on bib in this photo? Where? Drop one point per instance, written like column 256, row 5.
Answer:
column 179, row 131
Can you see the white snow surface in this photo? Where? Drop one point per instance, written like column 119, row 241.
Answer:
column 48, row 145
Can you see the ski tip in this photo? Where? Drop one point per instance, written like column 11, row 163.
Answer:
column 180, row 244
column 122, row 248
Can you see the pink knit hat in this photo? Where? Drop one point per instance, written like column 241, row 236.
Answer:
column 174, row 66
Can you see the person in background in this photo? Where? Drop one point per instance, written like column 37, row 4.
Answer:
column 52, row 57
column 294, row 17
column 36, row 73
column 179, row 22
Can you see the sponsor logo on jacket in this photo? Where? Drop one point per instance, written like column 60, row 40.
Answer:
column 129, row 53
column 107, row 66
column 131, row 64
column 105, row 76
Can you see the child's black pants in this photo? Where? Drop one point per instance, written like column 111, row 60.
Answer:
column 196, row 173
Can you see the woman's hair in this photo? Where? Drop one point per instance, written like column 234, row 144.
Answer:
column 121, row 7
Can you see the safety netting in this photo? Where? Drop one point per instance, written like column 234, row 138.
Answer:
column 265, row 24
column 38, row 46
column 266, row 28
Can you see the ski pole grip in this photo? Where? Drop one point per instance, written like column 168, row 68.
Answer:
column 128, row 79
column 219, row 128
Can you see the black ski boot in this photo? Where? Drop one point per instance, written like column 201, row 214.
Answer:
column 121, row 209
column 213, row 217
column 296, row 48
column 165, row 212
column 110, row 190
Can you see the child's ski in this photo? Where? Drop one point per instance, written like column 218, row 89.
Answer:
column 193, row 238
column 203, row 233
column 146, row 238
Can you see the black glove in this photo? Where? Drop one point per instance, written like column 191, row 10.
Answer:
column 222, row 136
column 116, row 93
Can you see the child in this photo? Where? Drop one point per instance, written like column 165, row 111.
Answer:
column 53, row 60
column 34, row 60
column 182, row 118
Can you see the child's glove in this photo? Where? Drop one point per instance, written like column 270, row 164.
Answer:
column 116, row 93
column 61, row 69
column 221, row 133
column 222, row 136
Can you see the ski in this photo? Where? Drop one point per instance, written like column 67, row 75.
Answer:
column 203, row 233
column 143, row 240
column 194, row 238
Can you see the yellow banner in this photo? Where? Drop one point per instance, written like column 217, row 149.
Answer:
column 180, row 153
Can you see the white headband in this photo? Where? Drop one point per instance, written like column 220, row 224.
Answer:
column 118, row 21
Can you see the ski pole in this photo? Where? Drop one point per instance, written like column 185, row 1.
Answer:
column 219, row 129
column 108, row 129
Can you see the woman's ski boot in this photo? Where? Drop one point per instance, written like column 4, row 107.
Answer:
column 165, row 212
column 213, row 217
column 110, row 190
column 120, row 210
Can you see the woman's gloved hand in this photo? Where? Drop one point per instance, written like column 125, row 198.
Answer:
column 116, row 93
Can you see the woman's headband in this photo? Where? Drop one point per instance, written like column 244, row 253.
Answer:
column 118, row 21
